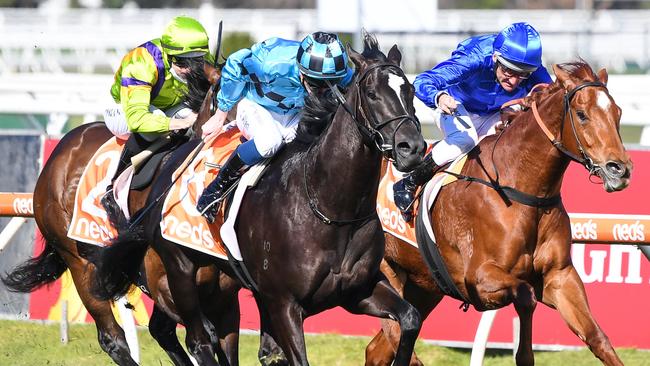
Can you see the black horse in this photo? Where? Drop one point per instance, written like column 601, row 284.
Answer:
column 308, row 230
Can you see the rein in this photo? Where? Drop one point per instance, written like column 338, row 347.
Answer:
column 584, row 159
column 510, row 193
column 516, row 195
column 371, row 136
column 369, row 132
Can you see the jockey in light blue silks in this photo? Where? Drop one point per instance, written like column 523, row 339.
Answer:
column 269, row 81
column 467, row 92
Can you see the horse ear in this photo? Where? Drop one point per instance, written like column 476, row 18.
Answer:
column 356, row 58
column 394, row 55
column 563, row 77
column 602, row 76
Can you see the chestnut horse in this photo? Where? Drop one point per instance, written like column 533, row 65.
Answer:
column 500, row 251
column 308, row 231
column 54, row 197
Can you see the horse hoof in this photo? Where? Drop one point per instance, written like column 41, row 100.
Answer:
column 276, row 359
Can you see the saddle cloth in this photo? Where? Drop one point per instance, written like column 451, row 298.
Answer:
column 89, row 222
column 390, row 216
column 181, row 223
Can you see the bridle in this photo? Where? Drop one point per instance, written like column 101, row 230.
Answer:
column 583, row 159
column 372, row 137
column 371, row 131
column 511, row 193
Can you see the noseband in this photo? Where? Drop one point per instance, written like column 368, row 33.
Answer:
column 371, row 131
column 371, row 136
column 583, row 159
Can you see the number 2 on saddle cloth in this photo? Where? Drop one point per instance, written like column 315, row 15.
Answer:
column 181, row 222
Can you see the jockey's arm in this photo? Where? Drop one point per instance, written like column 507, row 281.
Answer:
column 431, row 84
column 136, row 102
column 233, row 80
column 138, row 77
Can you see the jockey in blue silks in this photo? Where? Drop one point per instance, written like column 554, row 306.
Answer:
column 467, row 92
column 269, row 83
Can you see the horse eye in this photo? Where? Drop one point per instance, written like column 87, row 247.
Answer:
column 582, row 115
column 372, row 95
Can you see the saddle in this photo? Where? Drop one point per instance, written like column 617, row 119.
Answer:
column 147, row 155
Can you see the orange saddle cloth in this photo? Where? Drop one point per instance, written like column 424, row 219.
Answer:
column 89, row 222
column 181, row 222
column 390, row 216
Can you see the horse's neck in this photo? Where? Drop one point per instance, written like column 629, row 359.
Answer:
column 534, row 165
column 342, row 162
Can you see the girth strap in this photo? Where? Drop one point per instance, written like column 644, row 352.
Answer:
column 432, row 257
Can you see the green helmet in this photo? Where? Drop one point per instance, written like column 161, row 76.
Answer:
column 185, row 37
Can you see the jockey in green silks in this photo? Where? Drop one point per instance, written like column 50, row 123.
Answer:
column 151, row 82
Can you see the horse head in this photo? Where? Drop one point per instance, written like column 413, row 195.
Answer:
column 385, row 105
column 590, row 124
column 202, row 83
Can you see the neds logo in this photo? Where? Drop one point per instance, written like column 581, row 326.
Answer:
column 629, row 232
column 23, row 206
column 584, row 230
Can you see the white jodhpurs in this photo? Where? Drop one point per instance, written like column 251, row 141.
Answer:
column 461, row 132
column 115, row 120
column 268, row 129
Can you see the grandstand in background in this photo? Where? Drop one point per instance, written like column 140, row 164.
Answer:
column 56, row 64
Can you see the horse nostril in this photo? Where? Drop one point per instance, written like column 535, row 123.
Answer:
column 404, row 148
column 615, row 169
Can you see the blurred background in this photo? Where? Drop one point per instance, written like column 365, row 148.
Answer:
column 57, row 57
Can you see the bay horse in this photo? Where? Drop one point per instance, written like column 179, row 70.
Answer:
column 500, row 251
column 308, row 231
column 54, row 197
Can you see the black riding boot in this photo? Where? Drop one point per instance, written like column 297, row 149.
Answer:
column 125, row 161
column 210, row 200
column 404, row 190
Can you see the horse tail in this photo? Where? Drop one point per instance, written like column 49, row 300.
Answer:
column 36, row 272
column 117, row 265
column 115, row 215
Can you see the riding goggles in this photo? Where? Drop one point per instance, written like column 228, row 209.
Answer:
column 512, row 73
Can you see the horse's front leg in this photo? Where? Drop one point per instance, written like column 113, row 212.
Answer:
column 496, row 287
column 181, row 276
column 381, row 350
column 163, row 329
column 269, row 354
column 221, row 307
column 285, row 318
column 563, row 290
column 384, row 302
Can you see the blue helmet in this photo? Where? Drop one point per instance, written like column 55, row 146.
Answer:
column 519, row 47
column 322, row 56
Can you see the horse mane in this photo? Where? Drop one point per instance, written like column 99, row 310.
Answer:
column 319, row 109
column 318, row 112
column 371, row 48
column 197, row 86
column 578, row 69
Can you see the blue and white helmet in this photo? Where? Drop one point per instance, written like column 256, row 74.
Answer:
column 322, row 56
column 519, row 47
